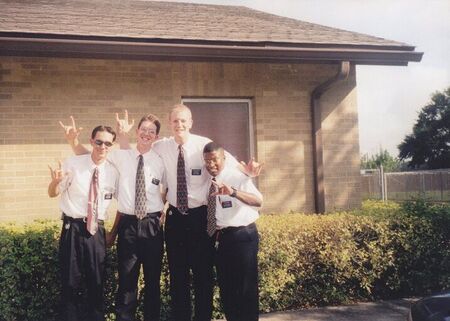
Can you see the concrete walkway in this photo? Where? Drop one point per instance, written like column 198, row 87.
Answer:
column 395, row 310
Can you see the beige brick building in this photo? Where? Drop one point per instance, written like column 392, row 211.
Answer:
column 52, row 65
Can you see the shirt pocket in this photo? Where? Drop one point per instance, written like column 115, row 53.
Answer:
column 152, row 184
column 197, row 176
column 106, row 196
column 225, row 202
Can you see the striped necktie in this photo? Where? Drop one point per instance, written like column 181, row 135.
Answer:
column 140, row 198
column 182, row 192
column 211, row 216
column 92, row 212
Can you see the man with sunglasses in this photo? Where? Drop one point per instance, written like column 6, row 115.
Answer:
column 137, row 223
column 87, row 184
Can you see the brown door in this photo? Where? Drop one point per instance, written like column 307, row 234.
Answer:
column 225, row 122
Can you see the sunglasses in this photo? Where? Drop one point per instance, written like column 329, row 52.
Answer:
column 99, row 142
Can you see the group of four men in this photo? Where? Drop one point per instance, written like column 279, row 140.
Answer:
column 210, row 219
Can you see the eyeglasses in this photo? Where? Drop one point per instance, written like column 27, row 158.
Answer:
column 99, row 142
column 148, row 130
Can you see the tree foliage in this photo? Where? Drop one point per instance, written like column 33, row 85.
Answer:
column 429, row 145
column 382, row 158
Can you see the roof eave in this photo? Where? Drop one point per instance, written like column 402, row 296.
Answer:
column 200, row 51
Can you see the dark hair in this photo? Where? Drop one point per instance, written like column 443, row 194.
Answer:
column 211, row 147
column 102, row 128
column 153, row 119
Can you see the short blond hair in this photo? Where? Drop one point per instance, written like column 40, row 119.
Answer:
column 179, row 107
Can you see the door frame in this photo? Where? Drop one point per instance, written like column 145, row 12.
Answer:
column 251, row 135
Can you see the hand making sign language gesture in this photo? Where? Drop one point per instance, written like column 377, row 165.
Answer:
column 71, row 132
column 57, row 176
column 222, row 189
column 123, row 126
column 251, row 168
column 245, row 197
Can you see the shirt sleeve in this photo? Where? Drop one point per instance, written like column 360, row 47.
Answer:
column 157, row 146
column 230, row 160
column 248, row 186
column 113, row 156
column 68, row 176
column 117, row 185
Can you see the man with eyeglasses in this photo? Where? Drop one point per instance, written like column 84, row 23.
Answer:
column 137, row 223
column 87, row 184
column 189, row 248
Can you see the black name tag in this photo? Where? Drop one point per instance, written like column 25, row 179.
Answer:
column 196, row 171
column 227, row 204
column 155, row 181
column 108, row 196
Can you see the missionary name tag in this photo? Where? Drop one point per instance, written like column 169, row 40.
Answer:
column 108, row 196
column 155, row 181
column 196, row 171
column 227, row 204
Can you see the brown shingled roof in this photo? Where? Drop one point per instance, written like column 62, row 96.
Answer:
column 176, row 23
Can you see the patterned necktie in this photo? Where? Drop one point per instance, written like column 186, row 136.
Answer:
column 92, row 214
column 211, row 217
column 140, row 197
column 182, row 197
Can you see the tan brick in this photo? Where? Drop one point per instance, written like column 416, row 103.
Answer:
column 93, row 90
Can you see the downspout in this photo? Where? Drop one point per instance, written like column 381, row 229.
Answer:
column 316, row 112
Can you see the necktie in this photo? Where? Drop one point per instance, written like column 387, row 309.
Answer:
column 211, row 217
column 140, row 197
column 182, row 197
column 92, row 214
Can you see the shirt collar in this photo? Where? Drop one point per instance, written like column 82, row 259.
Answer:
column 187, row 144
column 92, row 165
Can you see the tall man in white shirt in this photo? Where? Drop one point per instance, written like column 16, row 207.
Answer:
column 137, row 223
column 188, row 246
column 87, row 185
column 233, row 200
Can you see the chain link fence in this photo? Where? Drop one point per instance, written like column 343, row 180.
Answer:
column 432, row 185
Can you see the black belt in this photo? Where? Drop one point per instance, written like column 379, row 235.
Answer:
column 235, row 228
column 147, row 215
column 230, row 229
column 189, row 209
column 79, row 220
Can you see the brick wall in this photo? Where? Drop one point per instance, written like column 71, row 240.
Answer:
column 37, row 92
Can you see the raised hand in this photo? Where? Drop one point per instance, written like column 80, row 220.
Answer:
column 123, row 126
column 71, row 132
column 252, row 168
column 222, row 189
column 57, row 173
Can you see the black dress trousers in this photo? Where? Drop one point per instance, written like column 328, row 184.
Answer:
column 189, row 249
column 139, row 242
column 237, row 272
column 82, row 262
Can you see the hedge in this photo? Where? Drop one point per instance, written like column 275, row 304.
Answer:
column 381, row 251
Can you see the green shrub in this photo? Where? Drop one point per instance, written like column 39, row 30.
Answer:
column 384, row 250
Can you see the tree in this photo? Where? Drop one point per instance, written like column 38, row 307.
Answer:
column 389, row 162
column 429, row 145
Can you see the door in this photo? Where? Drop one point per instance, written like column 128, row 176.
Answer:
column 227, row 122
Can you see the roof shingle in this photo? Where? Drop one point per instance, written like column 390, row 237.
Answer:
column 150, row 20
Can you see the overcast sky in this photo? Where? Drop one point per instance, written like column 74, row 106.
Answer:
column 389, row 98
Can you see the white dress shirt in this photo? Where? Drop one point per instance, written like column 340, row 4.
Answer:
column 74, row 187
column 196, row 174
column 229, row 210
column 126, row 161
column 197, row 177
